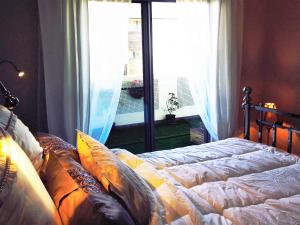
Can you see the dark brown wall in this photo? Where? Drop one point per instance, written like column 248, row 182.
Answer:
column 254, row 42
column 19, row 43
column 282, row 80
column 254, row 55
column 271, row 55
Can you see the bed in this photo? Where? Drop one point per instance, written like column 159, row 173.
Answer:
column 233, row 181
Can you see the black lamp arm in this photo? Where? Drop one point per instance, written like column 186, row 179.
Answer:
column 11, row 63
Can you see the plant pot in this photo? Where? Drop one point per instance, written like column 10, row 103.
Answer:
column 136, row 92
column 170, row 118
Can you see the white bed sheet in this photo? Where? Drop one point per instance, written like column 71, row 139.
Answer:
column 233, row 181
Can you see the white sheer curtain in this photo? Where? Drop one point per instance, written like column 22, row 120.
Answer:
column 64, row 32
column 83, row 67
column 213, row 31
column 108, row 24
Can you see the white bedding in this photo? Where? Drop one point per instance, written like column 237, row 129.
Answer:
column 233, row 181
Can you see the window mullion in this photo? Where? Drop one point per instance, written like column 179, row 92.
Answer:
column 148, row 75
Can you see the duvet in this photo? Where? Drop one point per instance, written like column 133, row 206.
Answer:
column 233, row 181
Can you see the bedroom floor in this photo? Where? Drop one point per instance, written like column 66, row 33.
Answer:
column 168, row 136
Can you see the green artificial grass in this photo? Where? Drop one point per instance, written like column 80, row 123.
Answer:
column 167, row 136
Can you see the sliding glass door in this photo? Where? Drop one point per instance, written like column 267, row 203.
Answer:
column 116, row 64
column 141, row 47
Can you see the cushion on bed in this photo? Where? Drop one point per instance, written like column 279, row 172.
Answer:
column 23, row 197
column 79, row 198
column 120, row 179
column 22, row 135
column 52, row 143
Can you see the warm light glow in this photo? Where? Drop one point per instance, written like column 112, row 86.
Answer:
column 270, row 105
column 269, row 116
column 26, row 172
column 23, row 177
column 3, row 147
column 21, row 74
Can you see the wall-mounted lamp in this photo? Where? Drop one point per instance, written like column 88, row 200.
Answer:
column 20, row 73
column 270, row 117
column 11, row 101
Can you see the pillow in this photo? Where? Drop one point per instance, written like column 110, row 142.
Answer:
column 50, row 142
column 119, row 179
column 21, row 134
column 23, row 197
column 79, row 198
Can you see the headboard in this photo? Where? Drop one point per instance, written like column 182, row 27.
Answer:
column 261, row 122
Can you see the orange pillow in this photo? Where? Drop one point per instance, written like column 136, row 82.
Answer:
column 79, row 198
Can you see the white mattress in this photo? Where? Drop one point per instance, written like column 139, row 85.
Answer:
column 234, row 181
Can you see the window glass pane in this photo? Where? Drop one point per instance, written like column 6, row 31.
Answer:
column 171, row 81
column 116, row 67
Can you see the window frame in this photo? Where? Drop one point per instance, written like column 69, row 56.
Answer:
column 148, row 78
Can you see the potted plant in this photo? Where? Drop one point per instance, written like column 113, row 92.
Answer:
column 172, row 105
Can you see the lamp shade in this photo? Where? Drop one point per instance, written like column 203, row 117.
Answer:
column 270, row 105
